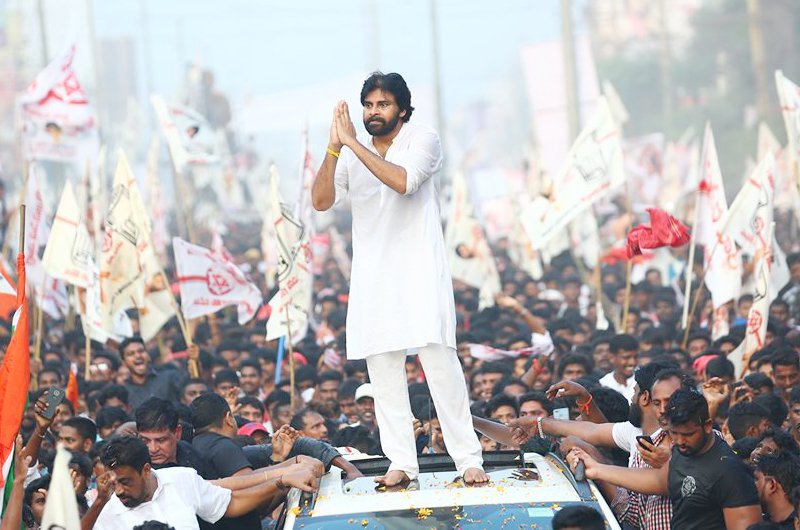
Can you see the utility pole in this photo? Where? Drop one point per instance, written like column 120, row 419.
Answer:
column 570, row 69
column 665, row 64
column 757, row 53
column 437, row 84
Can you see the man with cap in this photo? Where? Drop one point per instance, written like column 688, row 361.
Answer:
column 365, row 405
column 256, row 431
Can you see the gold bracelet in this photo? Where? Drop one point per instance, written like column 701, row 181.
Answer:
column 332, row 152
column 266, row 478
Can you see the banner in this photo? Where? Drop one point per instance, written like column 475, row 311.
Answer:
column 210, row 281
column 56, row 119
column 69, row 248
column 789, row 97
column 190, row 137
column 723, row 262
column 469, row 254
column 294, row 271
column 61, row 509
column 594, row 166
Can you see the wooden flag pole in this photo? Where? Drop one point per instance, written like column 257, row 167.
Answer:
column 690, row 266
column 627, row 305
column 88, row 353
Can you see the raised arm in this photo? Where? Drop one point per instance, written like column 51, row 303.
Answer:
column 645, row 481
column 323, row 190
column 496, row 431
column 247, row 500
column 260, row 475
column 600, row 434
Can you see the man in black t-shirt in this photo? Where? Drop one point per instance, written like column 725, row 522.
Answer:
column 215, row 427
column 777, row 474
column 710, row 487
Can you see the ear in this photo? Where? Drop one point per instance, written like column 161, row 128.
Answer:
column 87, row 444
column 403, row 113
column 644, row 398
column 179, row 431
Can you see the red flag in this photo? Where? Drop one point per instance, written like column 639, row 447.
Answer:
column 72, row 389
column 664, row 230
column 15, row 376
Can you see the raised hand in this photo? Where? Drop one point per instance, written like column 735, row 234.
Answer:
column 344, row 125
column 106, row 483
column 333, row 138
column 282, row 443
column 567, row 389
column 38, row 408
column 302, row 478
column 655, row 455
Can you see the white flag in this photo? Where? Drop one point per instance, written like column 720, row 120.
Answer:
column 294, row 271
column 69, row 248
column 789, row 96
column 61, row 509
column 469, row 254
column 723, row 262
column 209, row 281
column 594, row 166
column 57, row 121
column 751, row 212
column 618, row 110
column 190, row 137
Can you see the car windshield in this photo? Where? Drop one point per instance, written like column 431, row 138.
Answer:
column 496, row 516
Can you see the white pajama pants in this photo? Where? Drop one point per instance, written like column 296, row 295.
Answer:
column 445, row 379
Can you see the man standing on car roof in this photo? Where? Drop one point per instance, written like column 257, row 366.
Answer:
column 401, row 294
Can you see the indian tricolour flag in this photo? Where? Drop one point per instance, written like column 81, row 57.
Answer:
column 14, row 379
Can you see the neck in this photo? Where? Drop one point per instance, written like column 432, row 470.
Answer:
column 649, row 425
column 620, row 378
column 709, row 443
column 219, row 430
column 779, row 508
column 151, row 483
column 139, row 379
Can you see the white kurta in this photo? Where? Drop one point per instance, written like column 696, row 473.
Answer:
column 401, row 293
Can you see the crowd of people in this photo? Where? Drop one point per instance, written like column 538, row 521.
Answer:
column 657, row 415
column 633, row 398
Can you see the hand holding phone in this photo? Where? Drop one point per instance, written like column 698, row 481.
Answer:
column 53, row 397
column 645, row 438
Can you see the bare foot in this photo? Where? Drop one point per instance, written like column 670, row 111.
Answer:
column 475, row 476
column 393, row 478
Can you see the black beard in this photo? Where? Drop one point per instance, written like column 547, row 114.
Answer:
column 635, row 415
column 381, row 128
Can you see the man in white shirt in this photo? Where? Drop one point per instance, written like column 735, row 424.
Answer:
column 623, row 349
column 178, row 496
column 401, row 293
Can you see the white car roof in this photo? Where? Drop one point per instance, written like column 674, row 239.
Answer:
column 437, row 489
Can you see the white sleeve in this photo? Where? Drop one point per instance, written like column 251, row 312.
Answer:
column 542, row 344
column 421, row 160
column 211, row 502
column 623, row 433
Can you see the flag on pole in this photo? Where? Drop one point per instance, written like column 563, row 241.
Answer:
column 469, row 254
column 594, row 166
column 56, row 119
column 662, row 231
column 72, row 386
column 789, row 97
column 723, row 262
column 294, row 271
column 210, row 281
column 749, row 217
column 69, row 247
column 15, row 377
column 8, row 295
column 61, row 509
column 191, row 139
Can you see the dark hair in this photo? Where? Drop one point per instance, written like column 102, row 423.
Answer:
column 42, row 483
column 83, row 464
column 252, row 363
column 330, row 375
column 623, row 342
column 354, row 366
column 573, row 358
column 208, row 410
column 539, row 397
column 782, row 439
column 348, row 388
column 127, row 342
column 252, row 402
column 153, row 525
column 278, row 397
column 783, row 466
column 298, row 421
column 107, row 416
column 498, row 401
column 576, row 516
column 645, row 376
column 775, row 405
column 614, row 406
column 52, row 367
column 226, row 375
column 305, row 373
column 744, row 415
column 112, row 391
column 125, row 451
column 392, row 83
column 687, row 381
column 156, row 414
column 758, row 379
column 86, row 428
column 495, row 367
column 785, row 357
column 720, row 367
column 687, row 406
column 110, row 357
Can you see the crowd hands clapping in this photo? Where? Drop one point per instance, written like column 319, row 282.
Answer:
column 636, row 403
